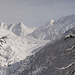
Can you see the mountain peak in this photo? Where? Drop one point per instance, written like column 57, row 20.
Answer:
column 52, row 21
column 3, row 25
column 21, row 23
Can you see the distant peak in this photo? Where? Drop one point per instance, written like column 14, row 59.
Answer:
column 52, row 21
column 21, row 23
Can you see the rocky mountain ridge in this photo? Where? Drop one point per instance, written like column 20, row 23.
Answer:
column 50, row 31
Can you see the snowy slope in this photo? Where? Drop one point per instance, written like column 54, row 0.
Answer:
column 15, row 49
column 56, row 58
column 52, row 29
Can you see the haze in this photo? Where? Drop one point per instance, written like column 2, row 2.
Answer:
column 34, row 13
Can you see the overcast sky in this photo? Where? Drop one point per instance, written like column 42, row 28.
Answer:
column 34, row 12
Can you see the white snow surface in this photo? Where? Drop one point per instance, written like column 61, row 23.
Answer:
column 16, row 49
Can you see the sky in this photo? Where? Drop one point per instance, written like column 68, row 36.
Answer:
column 34, row 13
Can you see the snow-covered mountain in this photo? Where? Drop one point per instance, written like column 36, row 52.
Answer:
column 16, row 51
column 14, row 48
column 56, row 58
column 19, row 29
column 52, row 29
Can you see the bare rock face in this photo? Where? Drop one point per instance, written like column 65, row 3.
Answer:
column 56, row 58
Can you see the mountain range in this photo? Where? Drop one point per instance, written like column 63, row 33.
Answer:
column 47, row 50
column 15, row 48
column 19, row 29
column 52, row 29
